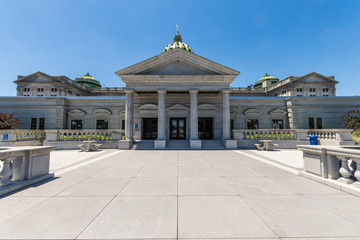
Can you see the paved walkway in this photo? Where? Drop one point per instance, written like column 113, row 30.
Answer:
column 177, row 195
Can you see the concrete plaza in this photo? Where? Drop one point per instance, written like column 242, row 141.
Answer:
column 240, row 194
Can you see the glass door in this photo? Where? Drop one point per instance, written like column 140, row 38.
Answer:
column 205, row 128
column 149, row 128
column 177, row 128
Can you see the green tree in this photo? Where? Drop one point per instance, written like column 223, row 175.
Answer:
column 352, row 119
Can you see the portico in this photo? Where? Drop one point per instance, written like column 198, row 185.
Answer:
column 177, row 90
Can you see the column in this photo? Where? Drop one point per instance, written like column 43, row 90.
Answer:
column 193, row 114
column 129, row 115
column 161, row 114
column 226, row 113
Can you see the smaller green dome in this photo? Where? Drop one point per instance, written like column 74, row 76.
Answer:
column 267, row 77
column 88, row 81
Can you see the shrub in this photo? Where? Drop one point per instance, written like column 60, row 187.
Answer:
column 7, row 121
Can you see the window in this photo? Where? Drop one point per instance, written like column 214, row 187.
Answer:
column 283, row 92
column 54, row 89
column 102, row 124
column 325, row 95
column 40, row 89
column 76, row 124
column 299, row 95
column 312, row 90
column 278, row 124
column 69, row 92
column 78, row 94
column 123, row 124
column 40, row 95
column 299, row 90
column 26, row 89
column 42, row 123
column 318, row 123
column 252, row 124
column 312, row 95
column 325, row 90
column 311, row 123
column 33, row 123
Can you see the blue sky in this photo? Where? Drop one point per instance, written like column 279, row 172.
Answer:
column 279, row 37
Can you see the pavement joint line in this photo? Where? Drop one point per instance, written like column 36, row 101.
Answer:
column 85, row 163
column 114, row 197
column 288, row 169
column 242, row 199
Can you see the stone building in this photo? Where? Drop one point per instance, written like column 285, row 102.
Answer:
column 178, row 95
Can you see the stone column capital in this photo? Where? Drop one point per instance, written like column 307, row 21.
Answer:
column 225, row 90
column 193, row 90
column 129, row 90
column 161, row 90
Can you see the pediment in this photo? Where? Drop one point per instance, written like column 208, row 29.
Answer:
column 277, row 112
column 178, row 107
column 102, row 112
column 148, row 108
column 208, row 108
column 252, row 112
column 76, row 112
column 177, row 62
column 315, row 78
column 38, row 77
column 122, row 112
column 178, row 67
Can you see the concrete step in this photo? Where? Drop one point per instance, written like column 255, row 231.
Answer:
column 212, row 145
column 178, row 145
column 143, row 145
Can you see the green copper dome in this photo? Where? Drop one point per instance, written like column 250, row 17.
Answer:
column 177, row 43
column 88, row 81
column 267, row 77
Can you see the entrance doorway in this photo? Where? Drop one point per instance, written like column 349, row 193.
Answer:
column 177, row 128
column 205, row 128
column 149, row 128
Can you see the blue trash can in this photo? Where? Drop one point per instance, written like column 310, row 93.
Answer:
column 313, row 139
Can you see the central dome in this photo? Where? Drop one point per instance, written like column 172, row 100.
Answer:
column 177, row 43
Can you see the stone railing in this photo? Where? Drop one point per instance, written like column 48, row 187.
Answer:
column 332, row 162
column 30, row 135
column 22, row 135
column 85, row 135
column 290, row 138
column 331, row 134
column 264, row 134
column 22, row 166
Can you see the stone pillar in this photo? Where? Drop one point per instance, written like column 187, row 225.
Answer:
column 161, row 114
column 226, row 114
column 129, row 118
column 193, row 114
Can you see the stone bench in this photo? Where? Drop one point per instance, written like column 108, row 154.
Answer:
column 89, row 146
column 23, row 166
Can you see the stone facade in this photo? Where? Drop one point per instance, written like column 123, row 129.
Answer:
column 178, row 95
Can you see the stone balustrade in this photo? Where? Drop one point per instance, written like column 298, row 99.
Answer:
column 85, row 135
column 22, row 166
column 331, row 134
column 341, row 163
column 290, row 138
column 264, row 134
